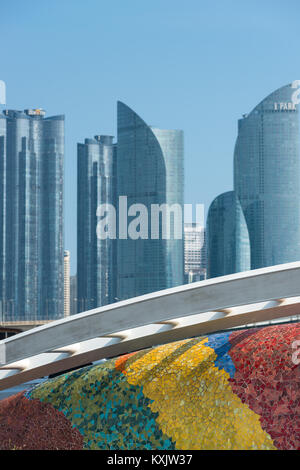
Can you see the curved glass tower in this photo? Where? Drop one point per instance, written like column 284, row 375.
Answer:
column 149, row 172
column 95, row 256
column 227, row 237
column 267, row 177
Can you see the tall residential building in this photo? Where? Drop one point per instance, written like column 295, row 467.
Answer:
column 149, row 172
column 267, row 181
column 96, row 160
column 227, row 237
column 31, row 216
column 66, row 283
column 194, row 252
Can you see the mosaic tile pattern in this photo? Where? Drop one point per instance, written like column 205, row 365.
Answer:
column 35, row 425
column 233, row 390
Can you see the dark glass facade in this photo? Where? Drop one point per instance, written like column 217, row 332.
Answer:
column 31, row 212
column 96, row 160
column 149, row 172
column 267, row 178
column 227, row 237
column 266, row 194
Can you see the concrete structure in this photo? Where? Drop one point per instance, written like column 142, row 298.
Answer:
column 199, row 308
column 194, row 252
column 96, row 176
column 66, row 283
column 31, row 216
column 149, row 172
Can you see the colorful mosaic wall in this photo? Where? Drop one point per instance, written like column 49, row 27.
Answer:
column 235, row 390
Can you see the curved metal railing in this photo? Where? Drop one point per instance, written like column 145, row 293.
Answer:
column 261, row 295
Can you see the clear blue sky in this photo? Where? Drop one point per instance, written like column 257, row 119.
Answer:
column 195, row 65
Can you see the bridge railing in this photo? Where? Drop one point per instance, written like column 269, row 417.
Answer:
column 181, row 312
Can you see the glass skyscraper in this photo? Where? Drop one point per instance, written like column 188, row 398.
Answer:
column 149, row 172
column 266, row 183
column 31, row 216
column 96, row 271
column 227, row 237
column 267, row 178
